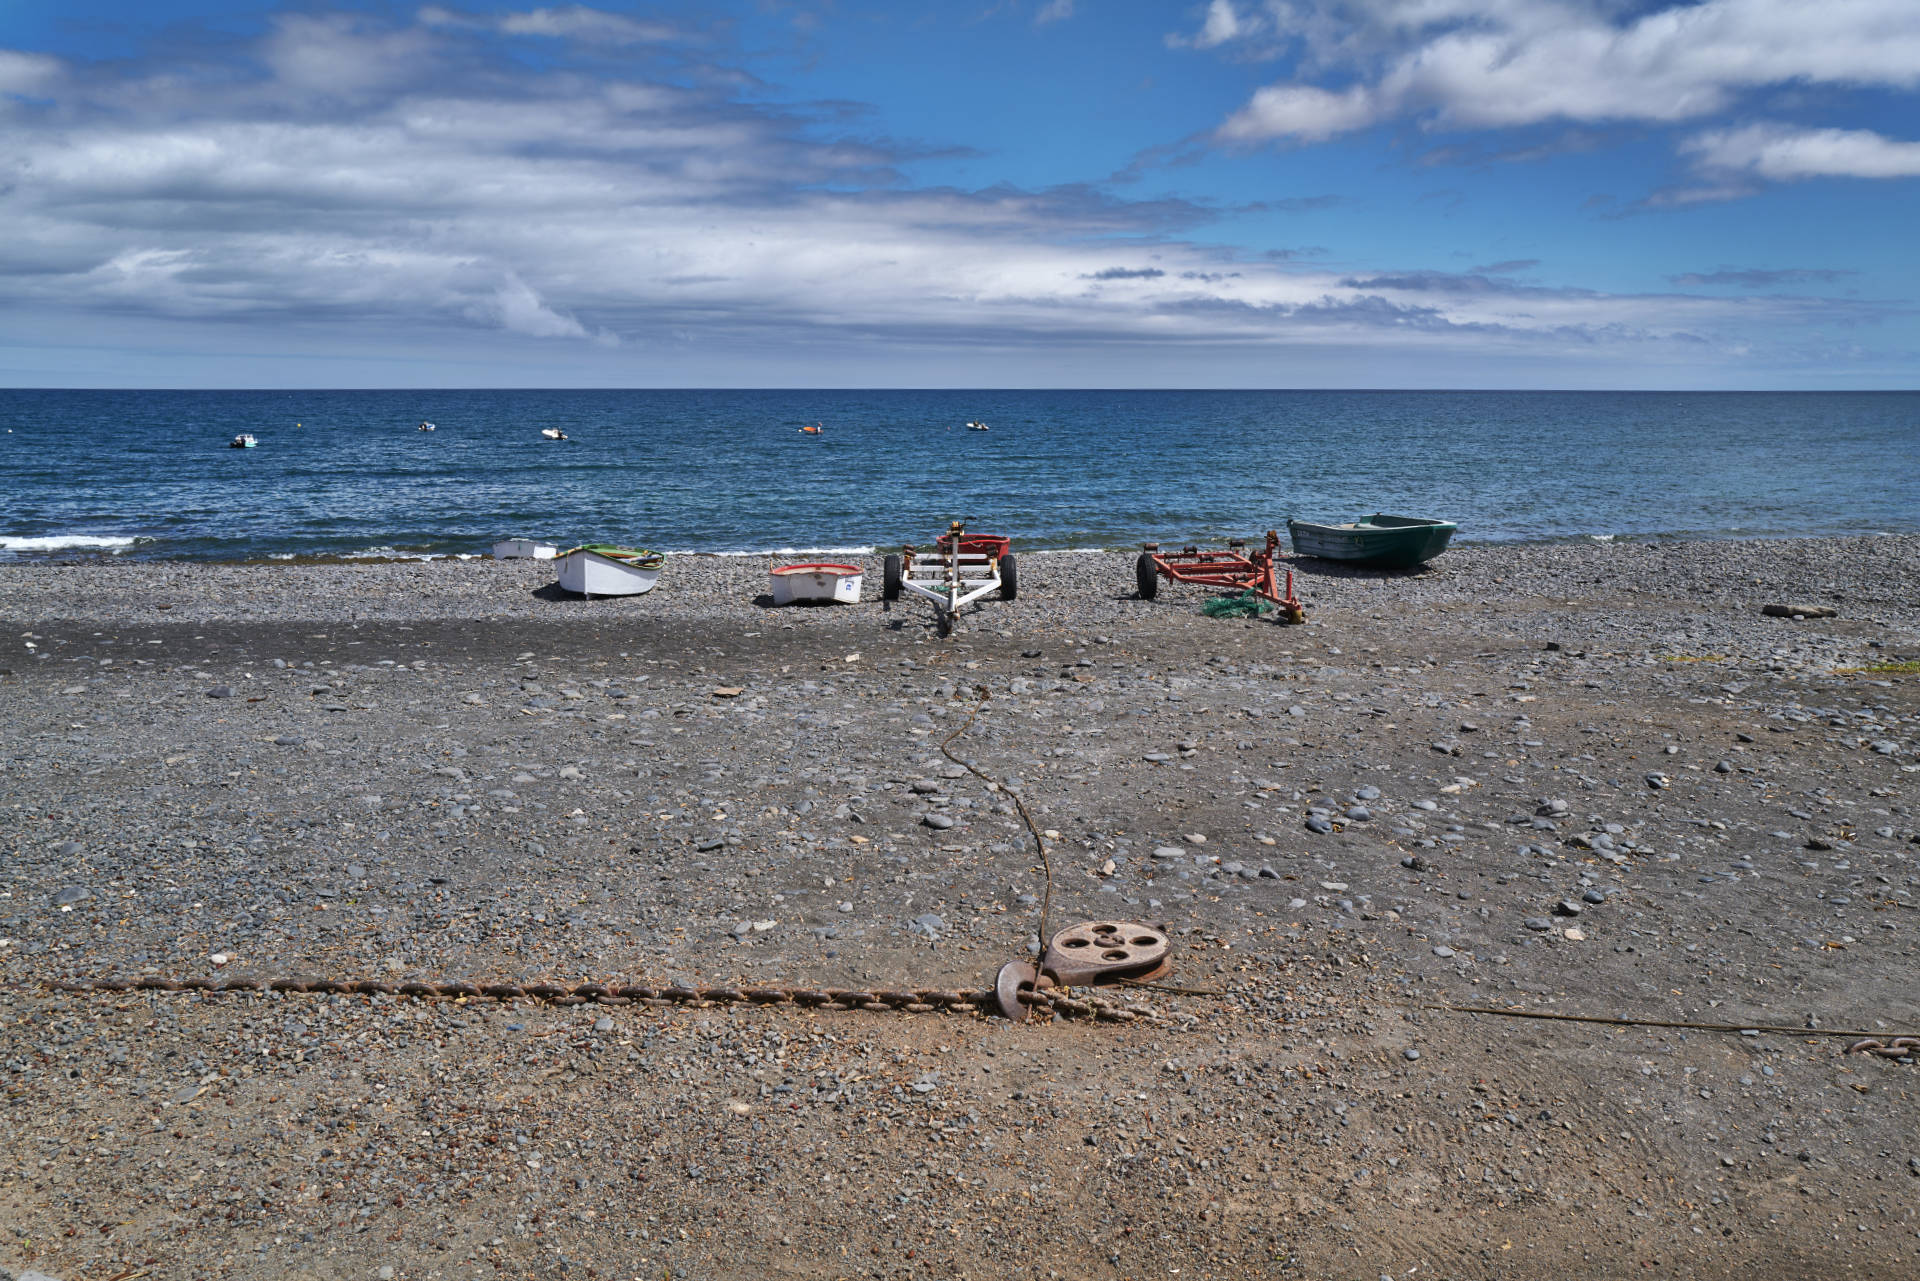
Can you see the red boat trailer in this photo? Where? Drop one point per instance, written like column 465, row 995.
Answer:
column 1230, row 570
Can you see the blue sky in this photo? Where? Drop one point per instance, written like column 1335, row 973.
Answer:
column 1237, row 193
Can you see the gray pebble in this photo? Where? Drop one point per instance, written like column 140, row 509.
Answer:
column 1538, row 923
column 1411, row 1053
column 1317, row 824
column 72, row 894
column 220, row 691
column 603, row 1024
column 938, row 822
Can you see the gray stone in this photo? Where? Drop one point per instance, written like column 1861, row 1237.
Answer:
column 1443, row 951
column 1886, row 747
column 67, row 849
column 1320, row 825
column 1412, row 1053
column 1368, row 793
column 289, row 740
column 1169, row 851
column 1359, row 813
column 938, row 822
column 1724, row 767
column 1158, row 758
column 1566, row 907
column 603, row 1024
column 1446, row 746
column 72, row 894
column 1658, row 781
column 220, row 691
column 1538, row 923
column 925, row 786
column 1593, row 896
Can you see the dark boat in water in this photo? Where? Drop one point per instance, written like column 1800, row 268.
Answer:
column 1386, row 542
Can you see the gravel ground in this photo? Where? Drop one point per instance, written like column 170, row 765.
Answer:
column 1563, row 779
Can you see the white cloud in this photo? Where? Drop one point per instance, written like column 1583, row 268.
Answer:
column 576, row 22
column 1501, row 63
column 563, row 206
column 27, row 73
column 1782, row 153
column 1054, row 11
column 1223, row 24
column 1301, row 111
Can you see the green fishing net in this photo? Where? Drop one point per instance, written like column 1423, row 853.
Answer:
column 1246, row 605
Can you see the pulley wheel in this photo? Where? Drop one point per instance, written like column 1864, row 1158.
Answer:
column 1014, row 978
column 1096, row 950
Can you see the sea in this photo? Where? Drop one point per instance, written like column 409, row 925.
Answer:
column 347, row 474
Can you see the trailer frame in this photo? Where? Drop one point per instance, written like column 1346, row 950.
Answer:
column 1231, row 570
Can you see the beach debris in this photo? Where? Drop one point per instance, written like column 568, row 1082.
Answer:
column 1800, row 611
column 1090, row 953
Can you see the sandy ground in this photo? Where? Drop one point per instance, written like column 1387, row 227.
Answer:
column 1589, row 780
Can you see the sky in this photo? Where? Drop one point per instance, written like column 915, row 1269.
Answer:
column 1024, row 193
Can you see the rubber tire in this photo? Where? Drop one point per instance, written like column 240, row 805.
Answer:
column 1009, row 577
column 1146, row 576
column 942, row 623
column 890, row 578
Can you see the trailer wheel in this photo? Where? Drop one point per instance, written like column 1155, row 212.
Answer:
column 1009, row 577
column 1147, row 576
column 942, row 623
column 890, row 578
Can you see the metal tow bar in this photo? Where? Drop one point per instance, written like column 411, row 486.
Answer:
column 1091, row 953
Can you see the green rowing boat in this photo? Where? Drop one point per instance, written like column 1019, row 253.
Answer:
column 1388, row 542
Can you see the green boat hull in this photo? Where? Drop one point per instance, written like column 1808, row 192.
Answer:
column 1380, row 541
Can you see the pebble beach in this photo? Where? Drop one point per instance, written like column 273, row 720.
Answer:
column 1589, row 779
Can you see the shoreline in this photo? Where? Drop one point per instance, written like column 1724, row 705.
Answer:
column 1578, row 779
column 95, row 555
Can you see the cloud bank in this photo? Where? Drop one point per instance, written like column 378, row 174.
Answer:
column 344, row 171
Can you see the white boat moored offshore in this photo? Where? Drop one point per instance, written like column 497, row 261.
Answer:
column 552, row 433
column 524, row 549
column 244, row 440
column 598, row 569
column 425, row 427
column 835, row 584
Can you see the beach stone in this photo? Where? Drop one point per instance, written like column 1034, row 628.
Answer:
column 220, row 691
column 924, row 786
column 1886, row 747
column 1320, row 825
column 1658, row 781
column 67, row 849
column 1368, row 793
column 1447, row 746
column 1359, row 813
column 1723, row 767
column 1593, row 896
column 1158, row 758
column 1296, row 903
column 603, row 1024
column 1566, row 907
column 289, row 740
column 1538, row 923
column 938, row 822
column 1798, row 610
column 1443, row 952
column 72, row 894
column 1411, row 1054
column 1169, row 851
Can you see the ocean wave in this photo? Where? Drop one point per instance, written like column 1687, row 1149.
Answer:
column 66, row 542
column 780, row 551
column 1601, row 538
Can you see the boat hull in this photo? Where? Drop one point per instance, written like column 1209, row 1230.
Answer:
column 524, row 549
column 833, row 584
column 1383, row 542
column 591, row 574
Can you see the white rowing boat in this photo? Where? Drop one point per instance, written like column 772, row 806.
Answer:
column 835, row 584
column 598, row 569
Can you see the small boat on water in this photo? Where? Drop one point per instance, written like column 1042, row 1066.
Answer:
column 816, row 430
column 978, row 427
column 552, row 433
column 244, row 440
column 835, row 584
column 524, row 549
column 425, row 427
column 600, row 569
column 1386, row 542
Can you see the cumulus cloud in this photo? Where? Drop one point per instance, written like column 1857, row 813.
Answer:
column 1054, row 11
column 1455, row 64
column 349, row 172
column 1781, row 153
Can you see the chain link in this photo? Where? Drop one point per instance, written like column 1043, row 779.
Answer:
column 1900, row 1047
column 878, row 1001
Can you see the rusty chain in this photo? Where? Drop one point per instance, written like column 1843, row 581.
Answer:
column 1900, row 1047
column 876, row 1000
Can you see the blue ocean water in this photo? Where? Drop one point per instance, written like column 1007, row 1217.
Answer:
column 149, row 474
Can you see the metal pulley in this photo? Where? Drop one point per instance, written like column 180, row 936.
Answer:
column 1092, row 953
